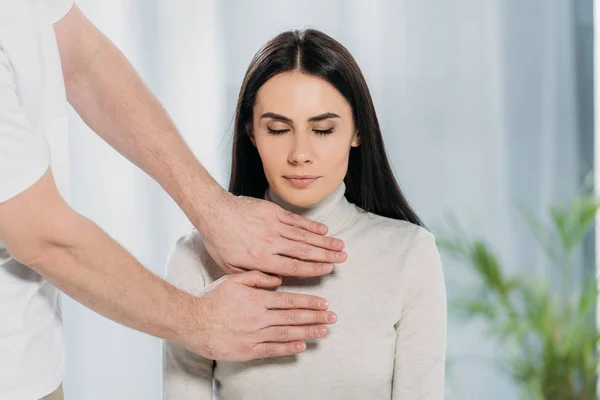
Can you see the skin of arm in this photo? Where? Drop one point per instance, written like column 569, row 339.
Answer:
column 240, row 233
column 232, row 319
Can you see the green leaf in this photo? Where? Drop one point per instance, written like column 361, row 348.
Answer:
column 550, row 337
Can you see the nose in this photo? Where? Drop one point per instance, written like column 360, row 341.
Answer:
column 300, row 152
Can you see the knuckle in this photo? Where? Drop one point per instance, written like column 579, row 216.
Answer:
column 304, row 235
column 254, row 253
column 285, row 215
column 270, row 238
column 277, row 212
column 317, row 317
column 290, row 301
column 314, row 303
column 269, row 350
column 295, row 218
column 301, row 251
column 304, row 251
column 278, row 298
column 293, row 317
column 294, row 266
column 284, row 334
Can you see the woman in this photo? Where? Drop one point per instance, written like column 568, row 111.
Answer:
column 307, row 135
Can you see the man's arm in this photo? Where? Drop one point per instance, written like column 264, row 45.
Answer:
column 240, row 233
column 229, row 320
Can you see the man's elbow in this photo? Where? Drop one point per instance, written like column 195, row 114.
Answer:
column 34, row 250
column 37, row 223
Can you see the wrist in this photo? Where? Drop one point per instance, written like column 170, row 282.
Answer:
column 210, row 205
column 190, row 326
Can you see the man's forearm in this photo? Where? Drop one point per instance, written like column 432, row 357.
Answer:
column 240, row 233
column 85, row 263
column 112, row 99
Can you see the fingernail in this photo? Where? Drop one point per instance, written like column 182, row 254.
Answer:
column 338, row 244
column 341, row 255
column 301, row 346
column 332, row 318
column 328, row 268
column 323, row 229
column 324, row 305
column 321, row 331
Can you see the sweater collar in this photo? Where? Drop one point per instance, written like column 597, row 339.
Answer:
column 334, row 210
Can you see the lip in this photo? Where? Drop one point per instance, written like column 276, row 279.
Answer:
column 301, row 181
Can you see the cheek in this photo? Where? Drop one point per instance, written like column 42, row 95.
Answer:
column 334, row 155
column 269, row 156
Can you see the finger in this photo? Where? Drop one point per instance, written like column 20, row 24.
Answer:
column 304, row 236
column 256, row 279
column 288, row 334
column 299, row 317
column 266, row 350
column 288, row 301
column 303, row 251
column 287, row 266
column 289, row 218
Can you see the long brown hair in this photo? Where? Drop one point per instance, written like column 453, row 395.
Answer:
column 370, row 182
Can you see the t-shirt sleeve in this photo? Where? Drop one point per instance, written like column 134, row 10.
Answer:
column 24, row 153
column 57, row 9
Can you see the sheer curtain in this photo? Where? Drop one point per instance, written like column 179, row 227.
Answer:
column 480, row 105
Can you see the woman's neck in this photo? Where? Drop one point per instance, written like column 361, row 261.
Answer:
column 333, row 211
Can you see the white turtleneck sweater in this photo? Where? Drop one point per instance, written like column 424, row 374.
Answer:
column 390, row 338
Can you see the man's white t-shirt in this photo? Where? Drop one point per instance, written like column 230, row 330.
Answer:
column 33, row 137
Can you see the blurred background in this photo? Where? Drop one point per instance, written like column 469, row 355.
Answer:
column 486, row 109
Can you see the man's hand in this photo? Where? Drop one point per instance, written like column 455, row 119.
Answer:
column 239, row 322
column 244, row 233
column 240, row 233
column 232, row 319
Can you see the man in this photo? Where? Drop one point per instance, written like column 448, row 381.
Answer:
column 44, row 240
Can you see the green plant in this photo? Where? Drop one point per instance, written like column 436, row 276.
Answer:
column 547, row 331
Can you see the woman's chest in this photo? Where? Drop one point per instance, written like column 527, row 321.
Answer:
column 355, row 360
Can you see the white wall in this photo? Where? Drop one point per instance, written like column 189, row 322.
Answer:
column 477, row 102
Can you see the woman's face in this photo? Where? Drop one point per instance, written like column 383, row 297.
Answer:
column 303, row 130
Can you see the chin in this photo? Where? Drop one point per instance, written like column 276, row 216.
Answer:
column 300, row 197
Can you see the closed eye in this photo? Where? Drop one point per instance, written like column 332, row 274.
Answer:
column 323, row 132
column 277, row 131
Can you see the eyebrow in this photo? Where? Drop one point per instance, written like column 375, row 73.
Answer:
column 283, row 118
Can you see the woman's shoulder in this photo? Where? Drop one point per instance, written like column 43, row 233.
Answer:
column 190, row 258
column 407, row 253
column 403, row 235
column 399, row 246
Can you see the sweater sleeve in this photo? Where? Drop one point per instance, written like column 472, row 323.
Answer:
column 419, row 363
column 186, row 375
